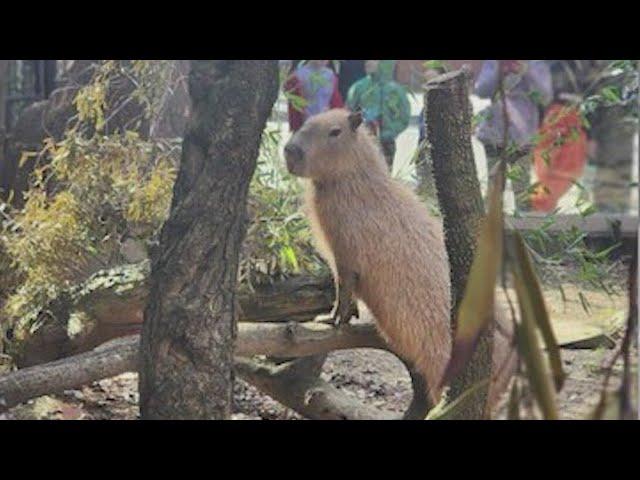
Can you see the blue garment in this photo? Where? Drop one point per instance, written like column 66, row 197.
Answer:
column 317, row 87
column 525, row 91
column 383, row 102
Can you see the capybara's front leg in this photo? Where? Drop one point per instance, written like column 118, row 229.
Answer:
column 346, row 305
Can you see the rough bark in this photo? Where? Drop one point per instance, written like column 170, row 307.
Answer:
column 72, row 372
column 4, row 69
column 111, row 302
column 291, row 383
column 275, row 321
column 190, row 321
column 296, row 383
column 448, row 126
column 426, row 187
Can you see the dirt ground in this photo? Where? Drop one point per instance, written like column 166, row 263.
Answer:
column 373, row 377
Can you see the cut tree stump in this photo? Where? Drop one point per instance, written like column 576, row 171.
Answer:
column 448, row 133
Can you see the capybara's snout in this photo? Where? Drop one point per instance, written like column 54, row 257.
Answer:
column 294, row 155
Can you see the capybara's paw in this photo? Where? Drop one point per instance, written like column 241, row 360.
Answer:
column 326, row 318
column 354, row 312
column 344, row 314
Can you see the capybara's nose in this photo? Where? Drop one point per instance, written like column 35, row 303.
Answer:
column 293, row 151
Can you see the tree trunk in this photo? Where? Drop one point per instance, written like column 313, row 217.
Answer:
column 4, row 83
column 190, row 321
column 448, row 127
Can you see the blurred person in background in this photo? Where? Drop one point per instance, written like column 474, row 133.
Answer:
column 350, row 71
column 311, row 89
column 528, row 89
column 384, row 104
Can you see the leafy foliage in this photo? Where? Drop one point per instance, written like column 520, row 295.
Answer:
column 279, row 240
column 543, row 372
column 595, row 86
column 92, row 195
column 93, row 191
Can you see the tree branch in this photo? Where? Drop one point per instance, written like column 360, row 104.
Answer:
column 290, row 383
column 309, row 395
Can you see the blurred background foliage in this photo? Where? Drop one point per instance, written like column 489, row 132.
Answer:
column 98, row 199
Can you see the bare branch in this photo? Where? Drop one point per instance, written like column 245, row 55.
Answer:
column 289, row 383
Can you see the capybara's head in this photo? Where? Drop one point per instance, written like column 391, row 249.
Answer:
column 330, row 145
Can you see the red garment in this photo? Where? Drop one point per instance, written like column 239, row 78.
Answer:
column 297, row 116
column 560, row 155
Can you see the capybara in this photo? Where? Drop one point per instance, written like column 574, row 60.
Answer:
column 382, row 244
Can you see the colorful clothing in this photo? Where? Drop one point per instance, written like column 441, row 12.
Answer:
column 317, row 87
column 560, row 155
column 384, row 103
column 527, row 86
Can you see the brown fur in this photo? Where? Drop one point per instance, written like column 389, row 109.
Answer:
column 367, row 223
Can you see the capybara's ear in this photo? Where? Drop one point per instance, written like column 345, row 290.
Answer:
column 355, row 119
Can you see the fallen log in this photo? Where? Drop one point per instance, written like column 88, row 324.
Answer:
column 111, row 302
column 68, row 373
column 289, row 383
column 307, row 394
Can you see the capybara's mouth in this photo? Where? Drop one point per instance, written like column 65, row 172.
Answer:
column 294, row 155
column 294, row 165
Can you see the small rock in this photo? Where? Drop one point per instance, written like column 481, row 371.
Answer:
column 242, row 416
column 75, row 394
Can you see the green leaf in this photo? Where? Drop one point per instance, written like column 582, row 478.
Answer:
column 526, row 334
column 584, row 302
column 435, row 65
column 289, row 257
column 589, row 210
column 611, row 94
column 26, row 156
column 539, row 377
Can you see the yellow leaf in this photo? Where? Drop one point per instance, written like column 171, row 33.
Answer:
column 26, row 156
column 532, row 289
column 530, row 350
column 446, row 411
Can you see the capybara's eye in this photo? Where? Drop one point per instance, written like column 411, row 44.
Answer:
column 334, row 132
